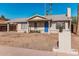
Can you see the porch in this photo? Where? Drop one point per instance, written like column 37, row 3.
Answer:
column 48, row 26
column 39, row 26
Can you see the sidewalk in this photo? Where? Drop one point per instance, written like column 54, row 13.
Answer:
column 13, row 51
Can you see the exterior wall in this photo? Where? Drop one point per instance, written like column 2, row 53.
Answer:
column 19, row 29
column 53, row 27
column 40, row 27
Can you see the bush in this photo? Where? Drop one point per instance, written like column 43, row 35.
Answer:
column 35, row 31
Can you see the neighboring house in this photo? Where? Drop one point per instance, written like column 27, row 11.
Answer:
column 43, row 24
column 3, row 24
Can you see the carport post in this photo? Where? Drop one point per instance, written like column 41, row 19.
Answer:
column 7, row 27
column 27, row 27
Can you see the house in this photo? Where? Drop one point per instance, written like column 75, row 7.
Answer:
column 42, row 24
column 3, row 23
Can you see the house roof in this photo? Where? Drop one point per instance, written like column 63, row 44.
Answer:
column 38, row 18
column 62, row 17
column 19, row 20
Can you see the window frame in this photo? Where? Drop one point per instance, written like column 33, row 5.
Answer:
column 23, row 25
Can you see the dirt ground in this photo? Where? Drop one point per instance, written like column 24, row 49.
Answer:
column 32, row 40
column 35, row 41
column 75, row 41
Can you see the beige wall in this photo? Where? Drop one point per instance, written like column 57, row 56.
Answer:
column 53, row 29
column 65, row 41
column 40, row 26
column 19, row 29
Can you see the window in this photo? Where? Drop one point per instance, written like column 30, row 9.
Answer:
column 23, row 26
column 60, row 24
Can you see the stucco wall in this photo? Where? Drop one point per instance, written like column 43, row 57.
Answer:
column 53, row 29
column 19, row 29
column 40, row 27
column 65, row 41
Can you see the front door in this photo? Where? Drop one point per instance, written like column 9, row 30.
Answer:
column 46, row 27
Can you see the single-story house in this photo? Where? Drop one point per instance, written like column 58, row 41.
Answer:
column 42, row 24
column 3, row 23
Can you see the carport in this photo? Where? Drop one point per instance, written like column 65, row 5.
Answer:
column 6, row 27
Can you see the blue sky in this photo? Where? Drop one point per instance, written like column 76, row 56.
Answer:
column 23, row 10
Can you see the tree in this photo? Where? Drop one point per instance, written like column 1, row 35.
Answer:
column 3, row 17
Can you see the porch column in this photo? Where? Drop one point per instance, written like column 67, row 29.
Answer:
column 8, row 27
column 66, row 25
column 49, row 25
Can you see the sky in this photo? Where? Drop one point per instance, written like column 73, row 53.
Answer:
column 24, row 10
